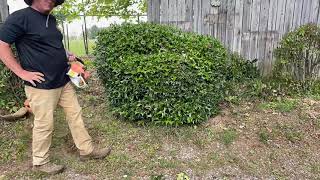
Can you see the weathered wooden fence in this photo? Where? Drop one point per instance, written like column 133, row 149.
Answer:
column 252, row 28
column 3, row 10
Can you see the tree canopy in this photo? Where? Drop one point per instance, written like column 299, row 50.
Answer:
column 93, row 32
column 73, row 9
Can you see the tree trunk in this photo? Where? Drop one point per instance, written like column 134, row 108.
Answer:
column 68, row 39
column 86, row 35
column 84, row 39
column 64, row 36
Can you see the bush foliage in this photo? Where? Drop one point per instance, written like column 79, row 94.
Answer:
column 160, row 74
column 297, row 61
column 11, row 89
column 296, row 69
column 243, row 79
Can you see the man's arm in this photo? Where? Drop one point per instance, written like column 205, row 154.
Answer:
column 7, row 57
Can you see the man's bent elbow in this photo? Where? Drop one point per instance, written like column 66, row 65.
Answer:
column 4, row 44
column 5, row 49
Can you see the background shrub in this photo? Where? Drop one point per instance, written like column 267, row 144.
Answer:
column 297, row 61
column 11, row 89
column 243, row 79
column 241, row 69
column 295, row 72
column 159, row 74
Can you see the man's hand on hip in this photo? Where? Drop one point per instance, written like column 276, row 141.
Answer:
column 32, row 77
column 11, row 62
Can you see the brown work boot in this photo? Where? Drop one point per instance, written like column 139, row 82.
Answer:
column 49, row 168
column 96, row 154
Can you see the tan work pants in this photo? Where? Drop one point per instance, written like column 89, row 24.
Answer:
column 43, row 104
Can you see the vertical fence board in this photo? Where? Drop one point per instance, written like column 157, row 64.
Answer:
column 205, row 10
column 246, row 28
column 298, row 13
column 254, row 29
column 314, row 11
column 189, row 15
column 289, row 15
column 262, row 34
column 223, row 21
column 3, row 10
column 306, row 12
column 271, row 36
column 230, row 24
column 196, row 10
column 238, row 19
column 164, row 7
column 318, row 18
column 213, row 20
column 154, row 11
column 173, row 12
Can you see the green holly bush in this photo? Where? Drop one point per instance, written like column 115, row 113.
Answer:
column 156, row 73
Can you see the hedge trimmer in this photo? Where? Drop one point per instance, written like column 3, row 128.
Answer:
column 77, row 73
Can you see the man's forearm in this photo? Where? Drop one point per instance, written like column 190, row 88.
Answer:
column 7, row 57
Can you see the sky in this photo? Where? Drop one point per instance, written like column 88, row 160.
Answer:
column 74, row 27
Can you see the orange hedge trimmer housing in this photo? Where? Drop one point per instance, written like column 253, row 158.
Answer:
column 77, row 73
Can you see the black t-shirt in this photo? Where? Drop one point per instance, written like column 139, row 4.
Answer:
column 39, row 45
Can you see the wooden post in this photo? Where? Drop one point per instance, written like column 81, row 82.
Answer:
column 68, row 39
column 154, row 11
column 85, row 32
column 86, row 35
column 84, row 39
column 64, row 36
column 4, row 10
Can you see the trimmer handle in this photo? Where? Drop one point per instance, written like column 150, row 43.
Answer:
column 81, row 61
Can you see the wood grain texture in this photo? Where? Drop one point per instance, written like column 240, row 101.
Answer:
column 252, row 28
column 3, row 10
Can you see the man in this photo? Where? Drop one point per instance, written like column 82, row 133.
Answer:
column 43, row 67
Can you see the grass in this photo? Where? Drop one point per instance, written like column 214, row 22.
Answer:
column 228, row 136
column 264, row 136
column 293, row 135
column 288, row 132
column 14, row 144
column 157, row 177
column 77, row 47
column 317, row 123
column 214, row 157
column 233, row 147
column 286, row 105
column 315, row 168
